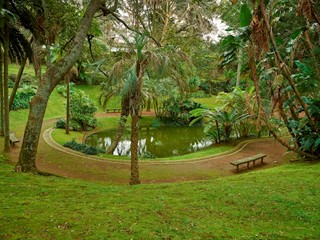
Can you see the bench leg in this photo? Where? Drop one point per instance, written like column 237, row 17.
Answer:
column 248, row 163
column 262, row 160
column 237, row 168
column 254, row 162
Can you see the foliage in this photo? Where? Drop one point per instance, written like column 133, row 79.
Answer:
column 212, row 119
column 62, row 89
column 306, row 137
column 82, row 111
column 23, row 97
column 80, row 147
column 176, row 111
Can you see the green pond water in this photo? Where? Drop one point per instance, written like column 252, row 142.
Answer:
column 155, row 142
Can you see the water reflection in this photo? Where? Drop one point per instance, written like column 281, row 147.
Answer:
column 155, row 142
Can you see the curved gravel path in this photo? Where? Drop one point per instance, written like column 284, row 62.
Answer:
column 95, row 168
column 64, row 162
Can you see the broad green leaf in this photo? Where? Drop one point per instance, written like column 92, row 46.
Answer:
column 245, row 15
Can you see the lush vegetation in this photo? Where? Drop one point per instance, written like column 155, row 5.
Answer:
column 82, row 111
column 80, row 147
column 264, row 75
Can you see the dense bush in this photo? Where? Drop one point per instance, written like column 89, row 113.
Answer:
column 23, row 97
column 82, row 111
column 62, row 89
column 80, row 147
column 176, row 112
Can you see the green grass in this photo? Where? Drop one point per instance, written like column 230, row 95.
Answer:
column 94, row 93
column 208, row 102
column 278, row 203
column 28, row 70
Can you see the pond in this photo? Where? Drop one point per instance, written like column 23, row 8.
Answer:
column 155, row 142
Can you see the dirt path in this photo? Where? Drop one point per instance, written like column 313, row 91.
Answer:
column 58, row 160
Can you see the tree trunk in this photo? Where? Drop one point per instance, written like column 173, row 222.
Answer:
column 50, row 80
column 68, row 108
column 122, row 124
column 1, row 96
column 17, row 82
column 134, row 179
column 148, row 105
column 6, row 89
column 36, row 50
column 135, row 102
column 239, row 66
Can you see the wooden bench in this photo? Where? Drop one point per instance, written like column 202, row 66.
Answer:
column 247, row 160
column 113, row 110
column 13, row 139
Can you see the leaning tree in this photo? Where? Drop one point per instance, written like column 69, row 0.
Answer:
column 50, row 80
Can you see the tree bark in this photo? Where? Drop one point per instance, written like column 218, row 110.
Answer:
column 134, row 179
column 240, row 53
column 36, row 49
column 1, row 96
column 6, row 89
column 17, row 82
column 68, row 108
column 135, row 102
column 122, row 124
column 52, row 77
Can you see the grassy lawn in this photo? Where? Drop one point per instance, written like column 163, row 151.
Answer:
column 278, row 203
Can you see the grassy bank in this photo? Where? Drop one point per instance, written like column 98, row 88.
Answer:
column 278, row 203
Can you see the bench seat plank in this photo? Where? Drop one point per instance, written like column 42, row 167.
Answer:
column 13, row 139
column 248, row 160
column 113, row 109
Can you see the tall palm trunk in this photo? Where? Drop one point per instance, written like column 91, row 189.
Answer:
column 134, row 179
column 53, row 76
column 6, row 90
column 1, row 96
column 122, row 124
column 135, row 102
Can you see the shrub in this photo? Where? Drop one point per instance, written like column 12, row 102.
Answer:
column 80, row 147
column 83, row 111
column 61, row 123
column 176, row 112
column 23, row 97
column 62, row 89
column 74, row 126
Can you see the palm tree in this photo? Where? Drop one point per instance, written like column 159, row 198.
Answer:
column 15, row 46
column 128, row 81
column 228, row 120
